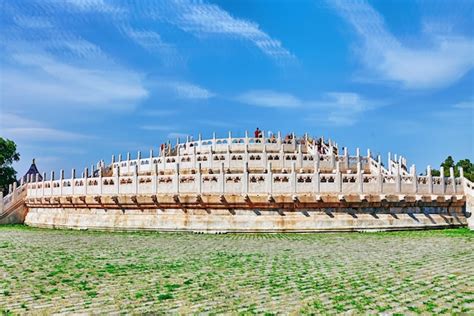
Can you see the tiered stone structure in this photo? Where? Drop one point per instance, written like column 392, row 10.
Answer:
column 244, row 184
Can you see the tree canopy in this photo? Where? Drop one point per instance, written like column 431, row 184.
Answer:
column 8, row 155
column 466, row 164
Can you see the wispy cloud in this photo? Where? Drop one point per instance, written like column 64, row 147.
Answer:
column 42, row 133
column 175, row 135
column 468, row 105
column 195, row 17
column 338, row 108
column 149, row 40
column 203, row 20
column 444, row 61
column 163, row 128
column 43, row 80
column 19, row 127
column 180, row 90
column 269, row 98
column 157, row 113
column 95, row 5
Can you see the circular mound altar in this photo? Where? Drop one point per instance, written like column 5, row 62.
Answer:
column 246, row 184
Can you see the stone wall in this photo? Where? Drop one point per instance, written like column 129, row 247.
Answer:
column 220, row 220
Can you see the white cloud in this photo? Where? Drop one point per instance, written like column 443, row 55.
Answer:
column 337, row 108
column 342, row 108
column 153, row 43
column 196, row 17
column 43, row 80
column 444, row 61
column 187, row 90
column 34, row 22
column 269, row 98
column 156, row 127
column 468, row 105
column 41, row 133
column 95, row 5
column 202, row 19
column 20, row 127
column 157, row 113
column 177, row 135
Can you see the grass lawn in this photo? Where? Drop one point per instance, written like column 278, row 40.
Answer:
column 50, row 271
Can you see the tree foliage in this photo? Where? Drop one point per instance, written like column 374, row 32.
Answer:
column 466, row 164
column 8, row 155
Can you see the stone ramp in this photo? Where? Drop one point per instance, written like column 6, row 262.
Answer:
column 13, row 208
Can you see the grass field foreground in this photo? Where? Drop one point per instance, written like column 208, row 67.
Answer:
column 61, row 271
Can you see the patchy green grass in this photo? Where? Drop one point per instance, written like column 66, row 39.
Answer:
column 48, row 271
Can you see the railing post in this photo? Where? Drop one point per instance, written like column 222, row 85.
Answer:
column 430, row 179
column 316, row 178
column 36, row 184
column 135, row 178
column 332, row 158
column 338, row 177
column 213, row 143
column 154, row 179
column 346, row 159
column 415, row 179
column 151, row 164
column 316, row 161
column 99, row 174
column 357, row 155
column 86, row 176
column 194, row 157
column 380, row 177
column 299, row 157
column 359, row 178
column 199, row 178
column 43, row 184
column 245, row 178
column 73, row 177
column 293, row 177
column 176, row 177
column 128, row 162
column 61, row 180
column 389, row 166
column 14, row 193
column 398, row 179
column 453, row 179
column 117, row 180
column 442, row 180
column 269, row 178
column 222, row 178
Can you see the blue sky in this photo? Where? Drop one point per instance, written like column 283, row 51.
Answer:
column 81, row 80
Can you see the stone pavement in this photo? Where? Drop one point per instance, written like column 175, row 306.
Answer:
column 54, row 271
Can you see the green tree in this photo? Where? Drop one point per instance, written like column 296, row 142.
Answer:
column 8, row 155
column 468, row 168
column 466, row 164
column 448, row 163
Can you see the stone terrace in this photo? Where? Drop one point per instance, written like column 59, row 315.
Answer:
column 50, row 271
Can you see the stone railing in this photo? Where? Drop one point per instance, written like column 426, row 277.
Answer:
column 238, row 161
column 220, row 182
column 9, row 203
